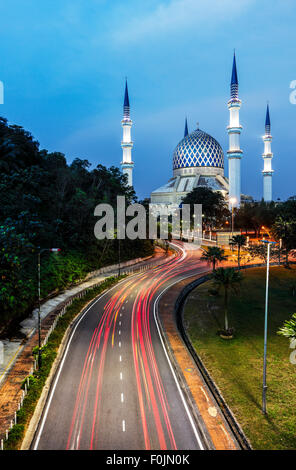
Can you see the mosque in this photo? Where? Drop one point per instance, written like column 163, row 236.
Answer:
column 198, row 159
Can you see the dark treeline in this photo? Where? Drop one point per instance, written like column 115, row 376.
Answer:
column 47, row 203
column 278, row 217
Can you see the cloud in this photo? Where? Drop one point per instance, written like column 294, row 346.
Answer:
column 180, row 15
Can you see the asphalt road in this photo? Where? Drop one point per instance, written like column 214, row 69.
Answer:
column 115, row 387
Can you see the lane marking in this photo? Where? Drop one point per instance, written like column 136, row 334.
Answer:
column 167, row 356
column 60, row 367
column 203, row 391
column 120, row 323
column 79, row 319
column 119, row 344
column 120, row 375
column 119, row 332
column 123, row 425
column 122, row 398
column 120, row 358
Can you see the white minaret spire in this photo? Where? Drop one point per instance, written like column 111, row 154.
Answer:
column 234, row 153
column 127, row 164
column 267, row 157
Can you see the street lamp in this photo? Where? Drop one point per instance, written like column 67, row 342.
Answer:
column 264, row 389
column 55, row 250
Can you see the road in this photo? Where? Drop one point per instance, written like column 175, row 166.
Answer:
column 115, row 387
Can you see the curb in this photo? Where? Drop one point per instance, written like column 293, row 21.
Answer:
column 35, row 420
column 217, row 394
column 204, row 434
column 215, row 391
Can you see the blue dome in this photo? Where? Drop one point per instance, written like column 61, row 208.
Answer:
column 198, row 149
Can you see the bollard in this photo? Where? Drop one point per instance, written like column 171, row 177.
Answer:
column 15, row 417
column 2, row 444
column 11, row 424
column 6, row 434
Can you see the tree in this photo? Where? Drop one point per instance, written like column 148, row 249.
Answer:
column 254, row 215
column 213, row 255
column 47, row 202
column 229, row 279
column 214, row 207
column 13, row 284
column 284, row 228
column 239, row 241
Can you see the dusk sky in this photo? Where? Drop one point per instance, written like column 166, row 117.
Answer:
column 63, row 65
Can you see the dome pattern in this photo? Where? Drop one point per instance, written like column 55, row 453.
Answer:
column 198, row 149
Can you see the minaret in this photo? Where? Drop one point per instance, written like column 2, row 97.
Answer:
column 127, row 164
column 267, row 157
column 186, row 128
column 234, row 153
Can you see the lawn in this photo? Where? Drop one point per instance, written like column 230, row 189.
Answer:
column 236, row 365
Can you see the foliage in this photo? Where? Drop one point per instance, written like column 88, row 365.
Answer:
column 289, row 328
column 260, row 251
column 46, row 202
column 214, row 208
column 284, row 228
column 254, row 215
column 229, row 279
column 239, row 241
column 277, row 219
column 236, row 366
column 213, row 255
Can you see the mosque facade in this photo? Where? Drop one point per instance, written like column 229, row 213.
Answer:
column 198, row 159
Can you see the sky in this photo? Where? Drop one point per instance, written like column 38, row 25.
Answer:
column 63, row 66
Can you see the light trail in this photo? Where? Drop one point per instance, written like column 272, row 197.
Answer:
column 155, row 411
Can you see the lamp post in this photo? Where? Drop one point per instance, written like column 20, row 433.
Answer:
column 39, row 299
column 264, row 389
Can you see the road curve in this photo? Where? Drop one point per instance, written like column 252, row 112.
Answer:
column 115, row 387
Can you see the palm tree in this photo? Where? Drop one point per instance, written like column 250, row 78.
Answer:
column 212, row 255
column 230, row 280
column 239, row 241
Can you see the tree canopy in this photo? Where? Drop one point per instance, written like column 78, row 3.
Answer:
column 47, row 202
column 214, row 206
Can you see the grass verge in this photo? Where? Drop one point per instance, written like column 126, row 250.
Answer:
column 236, row 365
column 49, row 352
